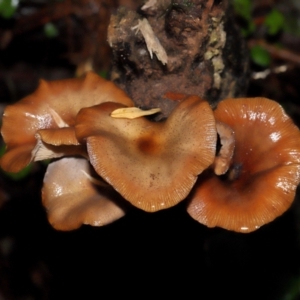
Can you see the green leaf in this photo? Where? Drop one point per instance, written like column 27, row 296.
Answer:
column 243, row 8
column 260, row 56
column 8, row 8
column 274, row 21
column 50, row 30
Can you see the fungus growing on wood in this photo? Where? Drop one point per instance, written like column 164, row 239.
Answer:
column 41, row 124
column 264, row 172
column 73, row 195
column 153, row 165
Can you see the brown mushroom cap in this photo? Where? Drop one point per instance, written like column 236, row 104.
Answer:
column 152, row 165
column 49, row 114
column 264, row 173
column 72, row 198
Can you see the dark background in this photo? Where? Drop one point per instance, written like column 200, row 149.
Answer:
column 164, row 254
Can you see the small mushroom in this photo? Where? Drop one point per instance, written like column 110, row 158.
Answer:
column 73, row 195
column 46, row 117
column 264, row 172
column 153, row 165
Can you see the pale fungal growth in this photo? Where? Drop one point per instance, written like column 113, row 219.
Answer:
column 133, row 112
column 152, row 42
column 227, row 141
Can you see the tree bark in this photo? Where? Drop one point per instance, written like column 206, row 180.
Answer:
column 196, row 49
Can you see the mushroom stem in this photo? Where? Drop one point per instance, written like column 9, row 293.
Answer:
column 227, row 140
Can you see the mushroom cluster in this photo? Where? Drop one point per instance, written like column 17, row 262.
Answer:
column 121, row 158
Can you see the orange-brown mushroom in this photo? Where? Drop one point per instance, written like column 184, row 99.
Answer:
column 153, row 165
column 263, row 175
column 73, row 196
column 47, row 116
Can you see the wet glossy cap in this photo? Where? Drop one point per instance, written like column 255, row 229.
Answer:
column 261, row 182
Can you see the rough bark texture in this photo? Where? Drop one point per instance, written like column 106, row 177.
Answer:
column 206, row 55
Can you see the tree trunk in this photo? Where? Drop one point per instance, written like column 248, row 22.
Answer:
column 196, row 49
